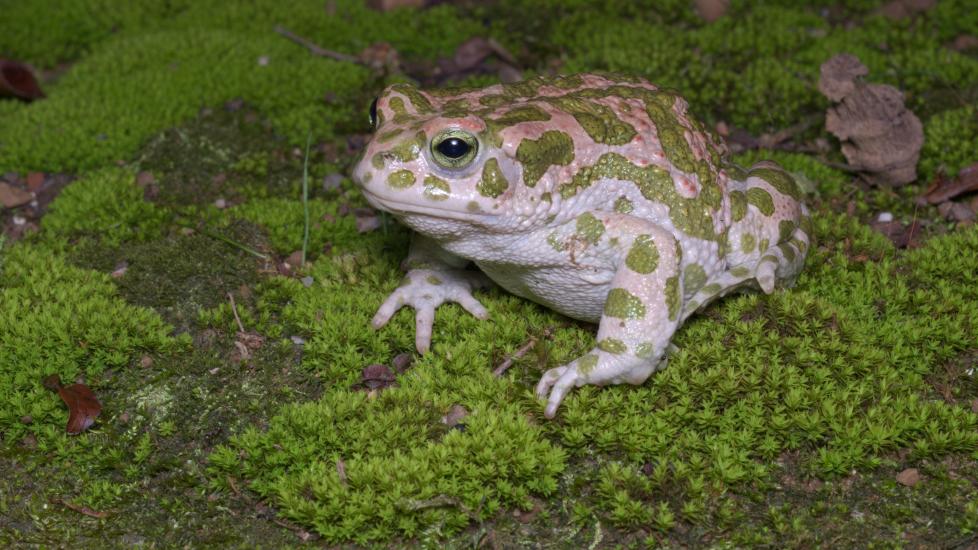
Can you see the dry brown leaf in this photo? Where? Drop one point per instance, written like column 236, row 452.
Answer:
column 376, row 377
column 879, row 135
column 902, row 236
column 901, row 9
column 388, row 5
column 83, row 406
column 711, row 10
column 943, row 189
column 908, row 477
column 454, row 416
column 12, row 197
column 17, row 80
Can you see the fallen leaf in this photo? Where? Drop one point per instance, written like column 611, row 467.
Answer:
column 12, row 197
column 944, row 189
column 388, row 5
column 402, row 362
column 366, row 220
column 908, row 477
column 902, row 236
column 17, row 80
column 956, row 211
column 473, row 51
column 879, row 135
column 902, row 9
column 454, row 416
column 965, row 42
column 251, row 340
column 711, row 10
column 83, row 406
column 35, row 180
column 376, row 376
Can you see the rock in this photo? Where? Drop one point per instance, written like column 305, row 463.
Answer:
column 908, row 477
column 12, row 197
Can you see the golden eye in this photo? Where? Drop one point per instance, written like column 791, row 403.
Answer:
column 454, row 148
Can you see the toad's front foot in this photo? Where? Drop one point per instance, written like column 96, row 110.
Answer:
column 425, row 290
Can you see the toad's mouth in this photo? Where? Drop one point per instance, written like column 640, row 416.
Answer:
column 404, row 208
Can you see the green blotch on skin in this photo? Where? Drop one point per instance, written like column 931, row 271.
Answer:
column 673, row 297
column 409, row 150
column 735, row 171
column 738, row 205
column 367, row 177
column 378, row 161
column 473, row 206
column 711, row 289
column 780, row 180
column 569, row 82
column 599, row 121
column 537, row 155
column 493, row 182
column 433, row 280
column 761, row 199
column 396, row 104
column 763, row 246
column 518, row 115
column 623, row 205
column 589, row 228
column 788, row 251
column 785, row 229
column 671, row 133
column 622, row 304
column 612, row 345
column 643, row 257
column 417, row 99
column 546, row 197
column 587, row 363
column 554, row 241
column 402, row 179
column 747, row 243
column 645, row 350
column 690, row 215
column 694, row 278
column 436, row 188
column 388, row 136
column 740, row 272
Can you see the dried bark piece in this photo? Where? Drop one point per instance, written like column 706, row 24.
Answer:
column 838, row 76
column 879, row 135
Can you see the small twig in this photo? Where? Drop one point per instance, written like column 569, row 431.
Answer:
column 505, row 365
column 234, row 309
column 80, row 509
column 316, row 49
column 305, row 198
column 224, row 239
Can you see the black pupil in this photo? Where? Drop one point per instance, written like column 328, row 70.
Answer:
column 373, row 113
column 453, row 148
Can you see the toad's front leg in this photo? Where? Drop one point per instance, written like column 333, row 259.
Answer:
column 433, row 277
column 641, row 312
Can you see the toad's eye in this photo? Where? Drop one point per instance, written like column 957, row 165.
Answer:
column 454, row 148
column 373, row 114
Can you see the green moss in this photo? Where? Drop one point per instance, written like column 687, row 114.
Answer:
column 950, row 142
column 58, row 319
column 134, row 85
column 106, row 205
